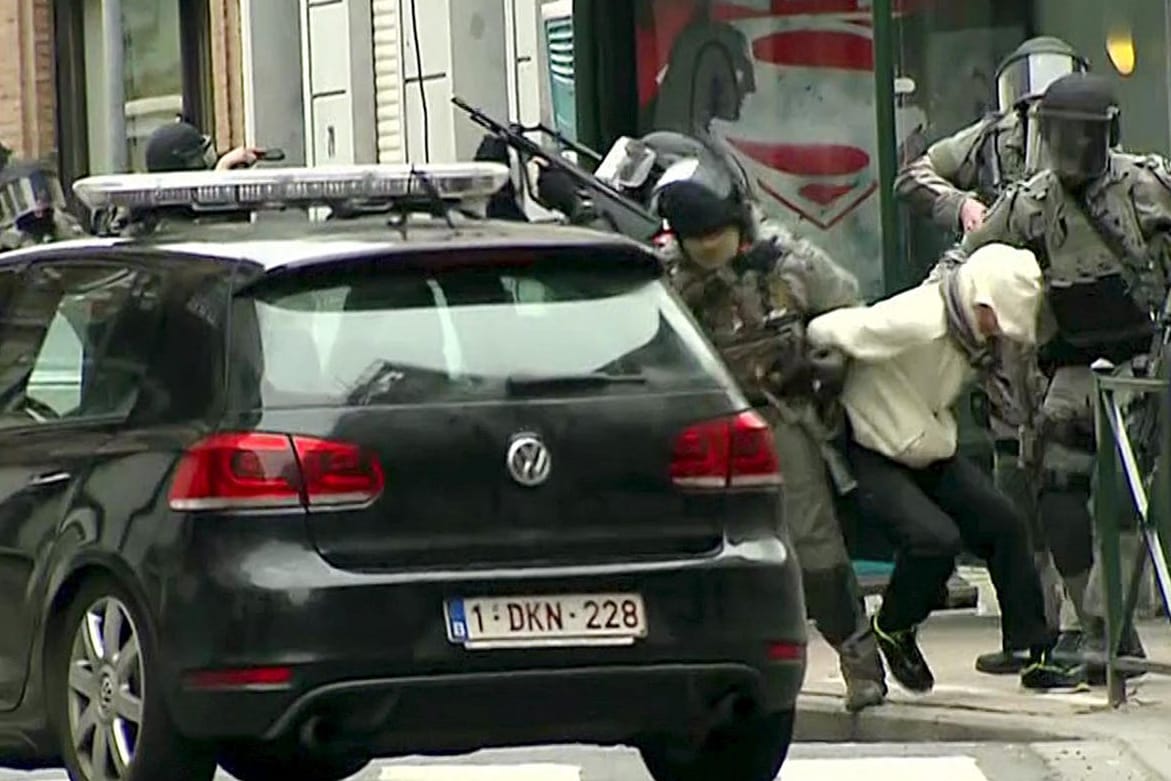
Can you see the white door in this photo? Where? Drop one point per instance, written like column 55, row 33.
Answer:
column 427, row 91
column 337, row 49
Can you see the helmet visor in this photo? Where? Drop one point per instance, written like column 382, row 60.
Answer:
column 1076, row 147
column 206, row 156
column 1031, row 75
column 628, row 164
column 31, row 193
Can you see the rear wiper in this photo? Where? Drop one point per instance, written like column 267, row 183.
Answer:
column 521, row 382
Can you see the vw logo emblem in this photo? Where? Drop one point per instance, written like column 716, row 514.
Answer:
column 528, row 460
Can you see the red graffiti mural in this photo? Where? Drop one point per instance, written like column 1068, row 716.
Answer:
column 807, row 134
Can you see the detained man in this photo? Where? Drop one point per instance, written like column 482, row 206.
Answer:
column 911, row 357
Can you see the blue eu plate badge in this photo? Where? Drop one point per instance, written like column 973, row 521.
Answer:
column 457, row 626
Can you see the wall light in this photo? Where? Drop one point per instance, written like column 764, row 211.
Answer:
column 1120, row 47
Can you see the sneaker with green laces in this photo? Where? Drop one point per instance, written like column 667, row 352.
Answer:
column 905, row 660
column 1043, row 673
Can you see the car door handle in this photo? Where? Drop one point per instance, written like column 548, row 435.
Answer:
column 49, row 478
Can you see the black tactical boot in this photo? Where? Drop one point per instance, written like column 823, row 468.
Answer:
column 1068, row 649
column 863, row 671
column 906, row 662
column 1002, row 662
column 1094, row 650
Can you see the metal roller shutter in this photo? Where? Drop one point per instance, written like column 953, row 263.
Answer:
column 388, row 81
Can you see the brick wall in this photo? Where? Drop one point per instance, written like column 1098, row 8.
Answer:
column 27, row 91
column 27, row 78
column 227, row 73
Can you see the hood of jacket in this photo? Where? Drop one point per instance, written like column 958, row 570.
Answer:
column 1008, row 280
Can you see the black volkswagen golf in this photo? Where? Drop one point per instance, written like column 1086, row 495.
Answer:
column 288, row 495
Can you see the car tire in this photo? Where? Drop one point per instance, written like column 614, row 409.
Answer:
column 105, row 698
column 265, row 764
column 753, row 749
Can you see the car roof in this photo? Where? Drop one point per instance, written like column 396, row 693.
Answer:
column 276, row 241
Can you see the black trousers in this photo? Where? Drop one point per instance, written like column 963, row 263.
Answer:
column 933, row 514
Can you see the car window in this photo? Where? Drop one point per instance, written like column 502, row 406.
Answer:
column 406, row 337
column 54, row 362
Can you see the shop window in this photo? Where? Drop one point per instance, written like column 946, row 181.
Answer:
column 164, row 76
column 789, row 88
column 946, row 53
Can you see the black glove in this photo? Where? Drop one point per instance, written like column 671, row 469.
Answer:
column 792, row 372
column 760, row 257
column 829, row 372
column 558, row 189
column 493, row 149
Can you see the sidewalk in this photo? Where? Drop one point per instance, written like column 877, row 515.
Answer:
column 969, row 706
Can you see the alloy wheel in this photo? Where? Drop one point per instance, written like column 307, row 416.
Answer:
column 106, row 691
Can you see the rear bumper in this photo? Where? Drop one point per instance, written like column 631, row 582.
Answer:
column 463, row 713
column 371, row 661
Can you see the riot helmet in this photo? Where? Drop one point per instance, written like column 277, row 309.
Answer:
column 1025, row 74
column 1078, row 118
column 706, row 206
column 30, row 195
column 179, row 146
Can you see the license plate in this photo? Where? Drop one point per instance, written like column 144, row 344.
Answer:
column 560, row 620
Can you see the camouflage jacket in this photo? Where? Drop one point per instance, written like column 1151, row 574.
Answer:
column 780, row 275
column 978, row 161
column 1132, row 202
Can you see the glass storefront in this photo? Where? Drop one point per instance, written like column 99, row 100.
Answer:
column 790, row 88
column 164, row 76
column 946, row 54
column 153, row 73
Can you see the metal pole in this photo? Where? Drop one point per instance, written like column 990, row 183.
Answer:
column 1105, row 503
column 894, row 272
column 116, row 152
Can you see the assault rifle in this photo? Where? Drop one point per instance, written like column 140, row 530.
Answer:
column 1146, row 411
column 624, row 214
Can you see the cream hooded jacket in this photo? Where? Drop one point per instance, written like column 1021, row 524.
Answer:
column 906, row 372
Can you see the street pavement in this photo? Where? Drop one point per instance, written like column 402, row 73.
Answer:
column 808, row 762
column 972, row 727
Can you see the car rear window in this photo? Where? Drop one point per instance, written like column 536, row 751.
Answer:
column 386, row 336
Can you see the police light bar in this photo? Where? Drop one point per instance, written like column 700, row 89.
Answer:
column 261, row 188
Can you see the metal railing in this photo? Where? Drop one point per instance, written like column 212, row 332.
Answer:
column 1121, row 486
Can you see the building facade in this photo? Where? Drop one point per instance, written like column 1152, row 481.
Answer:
column 59, row 98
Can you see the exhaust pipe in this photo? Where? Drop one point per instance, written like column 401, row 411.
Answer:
column 732, row 707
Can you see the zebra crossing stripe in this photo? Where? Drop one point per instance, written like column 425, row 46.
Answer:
column 958, row 768
column 529, row 772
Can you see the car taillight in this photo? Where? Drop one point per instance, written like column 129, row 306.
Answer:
column 254, row 471
column 736, row 452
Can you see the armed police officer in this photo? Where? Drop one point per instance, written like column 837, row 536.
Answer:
column 953, row 184
column 1098, row 220
column 750, row 282
column 958, row 177
column 180, row 146
column 32, row 206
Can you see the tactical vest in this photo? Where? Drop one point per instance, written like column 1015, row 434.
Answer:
column 731, row 305
column 1102, row 295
